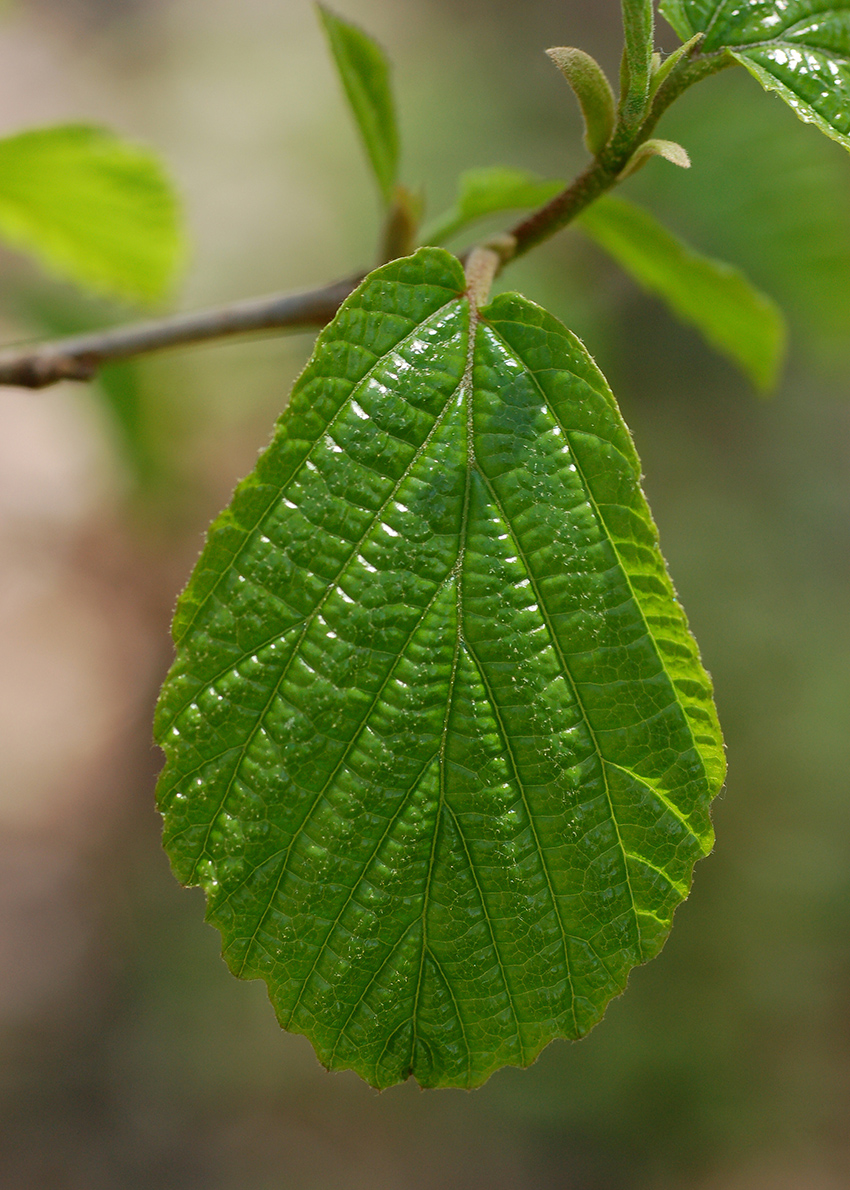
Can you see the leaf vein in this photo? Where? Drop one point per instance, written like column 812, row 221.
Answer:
column 277, row 489
column 556, row 644
column 345, row 755
column 538, row 846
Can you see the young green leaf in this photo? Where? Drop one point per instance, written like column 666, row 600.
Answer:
column 638, row 28
column 662, row 68
column 91, row 207
column 439, row 745
column 800, row 50
column 484, row 192
column 735, row 317
column 593, row 91
column 365, row 75
column 668, row 149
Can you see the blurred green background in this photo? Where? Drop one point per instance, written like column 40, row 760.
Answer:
column 130, row 1057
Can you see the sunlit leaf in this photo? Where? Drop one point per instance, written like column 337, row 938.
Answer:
column 91, row 207
column 365, row 75
column 735, row 317
column 798, row 48
column 487, row 191
column 439, row 745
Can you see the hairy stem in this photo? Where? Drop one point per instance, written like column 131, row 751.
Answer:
column 605, row 171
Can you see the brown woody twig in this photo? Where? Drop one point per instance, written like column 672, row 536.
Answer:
column 79, row 356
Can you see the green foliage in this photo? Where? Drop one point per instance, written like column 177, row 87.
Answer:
column 799, row 49
column 662, row 68
column 440, row 747
column 593, row 91
column 734, row 316
column 638, row 26
column 91, row 207
column 669, row 150
column 487, row 191
column 365, row 75
column 771, row 197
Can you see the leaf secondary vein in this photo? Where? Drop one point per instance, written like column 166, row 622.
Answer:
column 456, row 1006
column 377, row 974
column 487, row 918
column 243, row 752
column 681, row 889
column 568, row 673
column 661, row 797
column 323, row 945
column 568, row 435
column 331, row 586
column 508, row 746
column 466, row 390
column 349, row 748
column 277, row 489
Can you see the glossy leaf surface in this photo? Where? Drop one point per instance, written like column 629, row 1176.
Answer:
column 736, row 318
column 365, row 75
column 487, row 191
column 798, row 48
column 91, row 207
column 439, row 745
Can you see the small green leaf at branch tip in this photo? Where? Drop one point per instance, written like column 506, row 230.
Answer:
column 593, row 91
column 483, row 192
column 801, row 51
column 440, row 748
column 93, row 208
column 365, row 75
column 735, row 317
column 638, row 30
column 668, row 149
column 668, row 65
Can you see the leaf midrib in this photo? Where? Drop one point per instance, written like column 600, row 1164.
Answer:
column 457, row 574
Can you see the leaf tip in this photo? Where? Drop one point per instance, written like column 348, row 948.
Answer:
column 670, row 150
column 364, row 71
column 593, row 91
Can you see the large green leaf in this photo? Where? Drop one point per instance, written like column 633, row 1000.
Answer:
column 798, row 48
column 365, row 75
column 91, row 207
column 735, row 317
column 439, row 745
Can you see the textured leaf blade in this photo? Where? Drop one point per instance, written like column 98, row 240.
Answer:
column 799, row 49
column 487, row 191
column 91, row 207
column 681, row 15
column 365, row 75
column 733, row 315
column 440, row 748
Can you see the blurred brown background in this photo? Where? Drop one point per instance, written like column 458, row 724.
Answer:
column 130, row 1057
